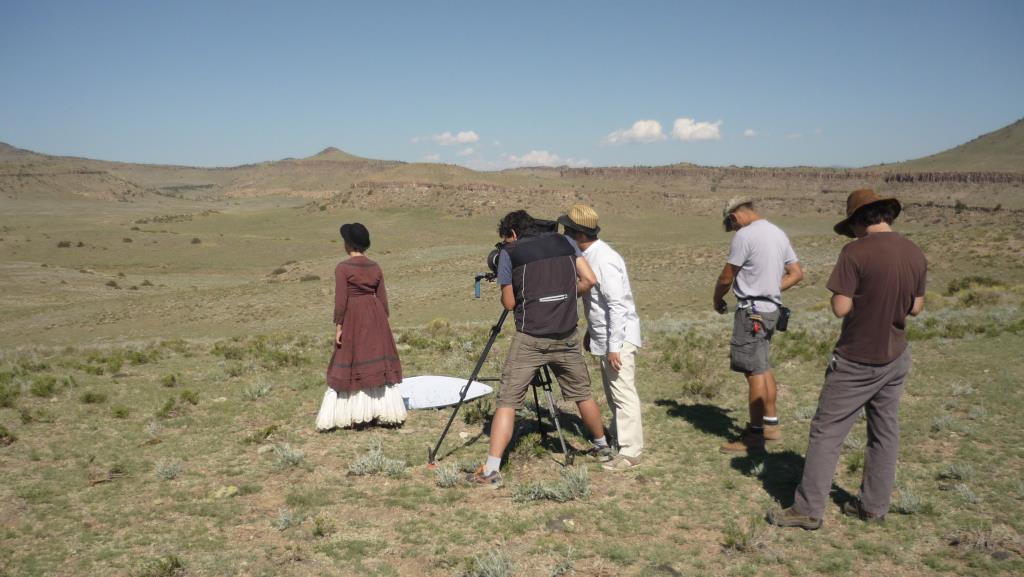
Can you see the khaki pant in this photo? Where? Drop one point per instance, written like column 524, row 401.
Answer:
column 849, row 387
column 620, row 389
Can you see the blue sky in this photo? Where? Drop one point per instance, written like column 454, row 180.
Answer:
column 491, row 85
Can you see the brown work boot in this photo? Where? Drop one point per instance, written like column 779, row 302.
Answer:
column 854, row 508
column 790, row 518
column 750, row 442
column 773, row 432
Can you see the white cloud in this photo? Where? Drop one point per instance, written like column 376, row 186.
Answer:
column 794, row 136
column 688, row 129
column 642, row 131
column 750, row 133
column 819, row 131
column 542, row 158
column 447, row 138
column 432, row 158
column 465, row 151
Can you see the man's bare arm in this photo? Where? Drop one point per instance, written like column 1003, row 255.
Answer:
column 723, row 285
column 841, row 305
column 508, row 297
column 917, row 307
column 794, row 274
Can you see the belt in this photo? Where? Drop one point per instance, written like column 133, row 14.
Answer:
column 748, row 302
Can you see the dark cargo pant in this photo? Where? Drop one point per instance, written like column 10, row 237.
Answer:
column 850, row 386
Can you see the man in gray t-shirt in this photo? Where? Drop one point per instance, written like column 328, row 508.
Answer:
column 760, row 266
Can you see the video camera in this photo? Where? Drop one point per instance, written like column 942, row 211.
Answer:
column 540, row 226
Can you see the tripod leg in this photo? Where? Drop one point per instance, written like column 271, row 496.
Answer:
column 558, row 427
column 540, row 424
column 432, row 453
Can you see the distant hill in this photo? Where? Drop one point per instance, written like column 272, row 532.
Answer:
column 9, row 153
column 334, row 154
column 28, row 174
column 999, row 151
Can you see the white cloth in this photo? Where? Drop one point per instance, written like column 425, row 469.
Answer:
column 620, row 390
column 762, row 251
column 381, row 404
column 609, row 306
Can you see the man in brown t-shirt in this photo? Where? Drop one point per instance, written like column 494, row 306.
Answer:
column 878, row 280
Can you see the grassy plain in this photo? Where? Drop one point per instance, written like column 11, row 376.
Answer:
column 162, row 364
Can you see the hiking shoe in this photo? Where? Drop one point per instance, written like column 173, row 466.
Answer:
column 621, row 463
column 492, row 481
column 750, row 442
column 789, row 518
column 772, row 432
column 602, row 454
column 854, row 508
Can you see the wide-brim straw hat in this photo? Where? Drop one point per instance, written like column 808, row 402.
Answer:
column 857, row 200
column 582, row 218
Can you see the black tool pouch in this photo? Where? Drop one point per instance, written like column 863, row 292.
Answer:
column 783, row 323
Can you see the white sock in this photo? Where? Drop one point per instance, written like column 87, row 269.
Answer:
column 602, row 442
column 492, row 464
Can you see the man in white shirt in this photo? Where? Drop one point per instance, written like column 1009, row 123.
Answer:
column 613, row 328
column 761, row 265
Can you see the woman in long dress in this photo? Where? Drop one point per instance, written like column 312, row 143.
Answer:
column 364, row 372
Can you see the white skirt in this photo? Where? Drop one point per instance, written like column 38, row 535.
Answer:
column 381, row 404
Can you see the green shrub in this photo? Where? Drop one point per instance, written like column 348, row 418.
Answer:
column 170, row 380
column 374, row 462
column 574, row 484
column 8, row 395
column 6, row 437
column 286, row 518
column 955, row 472
column 478, row 412
column 167, row 566
column 323, row 527
column 120, row 411
column 165, row 470
column 189, row 396
column 448, row 475
column 142, row 356
column 969, row 282
column 257, row 390
column 168, row 409
column 743, row 539
column 287, row 456
column 262, row 435
column 44, row 386
column 491, row 563
column 92, row 398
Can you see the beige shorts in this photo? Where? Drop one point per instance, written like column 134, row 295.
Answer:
column 528, row 354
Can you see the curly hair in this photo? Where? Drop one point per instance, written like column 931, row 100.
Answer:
column 519, row 221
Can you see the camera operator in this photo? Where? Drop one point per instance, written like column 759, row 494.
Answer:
column 540, row 275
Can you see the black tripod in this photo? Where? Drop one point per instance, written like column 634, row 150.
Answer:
column 541, row 379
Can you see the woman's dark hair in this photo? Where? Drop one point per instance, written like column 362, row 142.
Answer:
column 519, row 221
column 875, row 213
column 356, row 247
